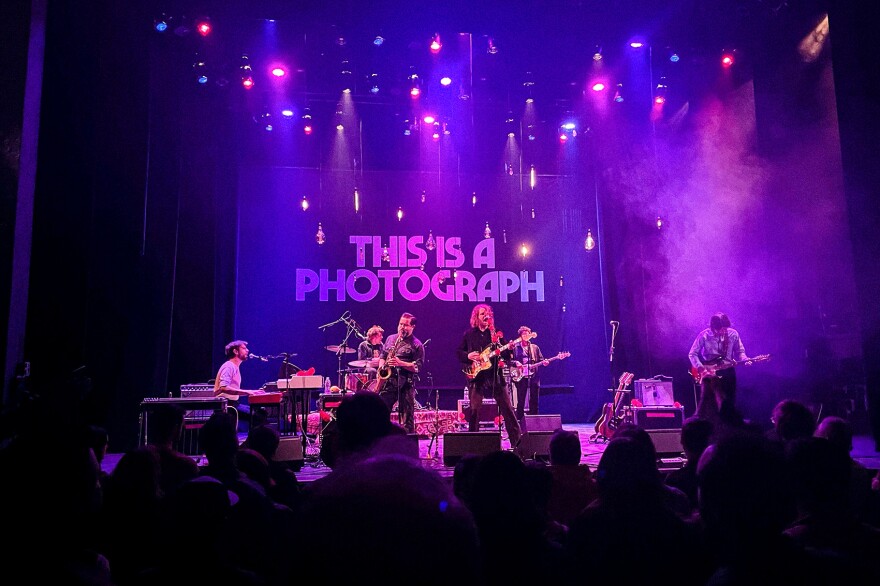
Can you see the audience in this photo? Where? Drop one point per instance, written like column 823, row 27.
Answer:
column 573, row 485
column 695, row 437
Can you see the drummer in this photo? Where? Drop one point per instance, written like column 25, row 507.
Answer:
column 370, row 350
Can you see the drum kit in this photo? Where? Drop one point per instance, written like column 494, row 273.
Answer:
column 360, row 375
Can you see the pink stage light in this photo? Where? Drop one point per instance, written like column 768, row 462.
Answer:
column 598, row 87
column 429, row 119
column 247, row 82
column 727, row 60
column 204, row 28
column 415, row 92
column 307, row 129
column 279, row 71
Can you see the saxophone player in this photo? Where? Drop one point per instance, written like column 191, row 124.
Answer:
column 403, row 356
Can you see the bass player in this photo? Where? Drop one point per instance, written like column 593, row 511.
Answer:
column 479, row 353
column 402, row 359
column 526, row 356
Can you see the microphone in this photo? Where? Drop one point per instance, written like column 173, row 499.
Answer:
column 255, row 357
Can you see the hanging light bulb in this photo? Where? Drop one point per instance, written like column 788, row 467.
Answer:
column 504, row 234
column 454, row 274
column 524, row 250
column 659, row 222
column 589, row 243
column 424, row 196
column 533, row 213
column 305, row 203
column 399, row 214
column 441, row 279
column 320, row 237
column 430, row 243
column 532, row 177
column 422, row 267
column 474, row 199
column 561, row 281
column 563, row 308
column 487, row 233
column 386, row 256
column 357, row 201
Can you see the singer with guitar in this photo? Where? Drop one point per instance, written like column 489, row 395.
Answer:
column 481, row 349
column 527, row 357
column 718, row 345
column 402, row 359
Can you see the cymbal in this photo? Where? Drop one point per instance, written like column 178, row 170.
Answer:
column 340, row 349
column 358, row 363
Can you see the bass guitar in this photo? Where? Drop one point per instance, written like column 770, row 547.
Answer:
column 712, row 369
column 520, row 372
column 611, row 413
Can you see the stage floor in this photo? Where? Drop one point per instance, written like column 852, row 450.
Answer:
column 313, row 468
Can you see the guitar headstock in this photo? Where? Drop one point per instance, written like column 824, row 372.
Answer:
column 563, row 355
column 625, row 379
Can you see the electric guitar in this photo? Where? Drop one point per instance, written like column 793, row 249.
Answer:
column 611, row 417
column 712, row 369
column 520, row 372
column 484, row 361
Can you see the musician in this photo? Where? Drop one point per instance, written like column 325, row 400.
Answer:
column 402, row 358
column 371, row 349
column 526, row 356
column 487, row 381
column 228, row 380
column 717, row 344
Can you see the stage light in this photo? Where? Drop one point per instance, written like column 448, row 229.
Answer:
column 727, row 59
column 204, row 27
column 340, row 126
column 492, row 48
column 636, row 44
column 563, row 137
column 357, row 200
column 386, row 256
column 399, row 214
column 320, row 238
column 247, row 82
column 569, row 126
column 430, row 243
column 445, row 80
column 346, row 90
column 474, row 199
column 530, row 100
column 373, row 82
column 424, row 196
column 428, row 119
column 436, row 45
column 598, row 86
column 659, row 222
column 524, row 250
column 589, row 242
column 436, row 136
column 304, row 204
column 161, row 24
column 287, row 113
column 674, row 57
column 307, row 129
column 487, row 233
column 201, row 71
column 279, row 71
column 378, row 40
column 597, row 54
column 532, row 177
column 618, row 93
column 446, row 129
column 660, row 91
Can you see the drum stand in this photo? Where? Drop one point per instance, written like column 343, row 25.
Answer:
column 436, row 434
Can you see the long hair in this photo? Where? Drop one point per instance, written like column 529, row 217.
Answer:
column 476, row 312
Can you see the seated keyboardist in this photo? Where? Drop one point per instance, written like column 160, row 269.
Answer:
column 228, row 381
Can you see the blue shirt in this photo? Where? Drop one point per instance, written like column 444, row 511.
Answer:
column 710, row 348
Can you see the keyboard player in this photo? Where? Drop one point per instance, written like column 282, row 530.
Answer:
column 228, row 380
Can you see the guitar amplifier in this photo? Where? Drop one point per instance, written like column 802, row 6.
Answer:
column 654, row 392
column 488, row 411
column 197, row 390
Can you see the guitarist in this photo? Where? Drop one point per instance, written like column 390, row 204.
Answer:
column 526, row 355
column 488, row 381
column 717, row 344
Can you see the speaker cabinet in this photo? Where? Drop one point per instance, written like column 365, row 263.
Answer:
column 657, row 417
column 666, row 441
column 479, row 443
column 535, row 445
column 541, row 423
column 290, row 450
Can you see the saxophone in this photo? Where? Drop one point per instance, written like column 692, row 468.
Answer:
column 384, row 373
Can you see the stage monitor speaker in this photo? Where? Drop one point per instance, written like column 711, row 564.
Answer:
column 658, row 417
column 535, row 445
column 666, row 441
column 541, row 422
column 478, row 443
column 290, row 450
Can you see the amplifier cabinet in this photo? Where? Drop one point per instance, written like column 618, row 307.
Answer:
column 657, row 417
